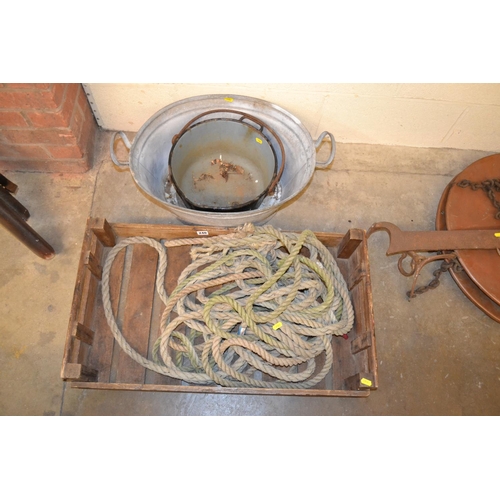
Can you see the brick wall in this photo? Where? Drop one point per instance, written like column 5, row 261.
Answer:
column 46, row 127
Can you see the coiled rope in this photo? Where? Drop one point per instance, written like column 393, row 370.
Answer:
column 279, row 299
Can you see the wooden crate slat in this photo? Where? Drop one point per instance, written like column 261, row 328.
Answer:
column 102, row 348
column 250, row 391
column 367, row 358
column 177, row 260
column 159, row 231
column 89, row 307
column 137, row 318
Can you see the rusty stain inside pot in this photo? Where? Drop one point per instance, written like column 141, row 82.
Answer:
column 214, row 181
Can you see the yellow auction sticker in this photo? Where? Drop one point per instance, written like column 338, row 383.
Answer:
column 258, row 140
column 277, row 325
column 497, row 235
column 367, row 382
column 228, row 99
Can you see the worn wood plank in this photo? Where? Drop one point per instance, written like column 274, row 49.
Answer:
column 357, row 360
column 366, row 291
column 76, row 304
column 88, row 308
column 222, row 390
column 364, row 323
column 159, row 231
column 137, row 318
column 77, row 352
column 102, row 348
column 178, row 259
column 360, row 358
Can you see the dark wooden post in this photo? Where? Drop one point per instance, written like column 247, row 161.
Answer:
column 13, row 216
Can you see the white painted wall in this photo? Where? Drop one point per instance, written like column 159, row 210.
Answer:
column 461, row 116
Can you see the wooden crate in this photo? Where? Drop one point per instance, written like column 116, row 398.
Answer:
column 93, row 360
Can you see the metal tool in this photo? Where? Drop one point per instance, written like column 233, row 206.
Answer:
column 467, row 237
column 408, row 243
column 430, row 241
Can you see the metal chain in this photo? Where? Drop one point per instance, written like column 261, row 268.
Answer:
column 489, row 186
column 446, row 265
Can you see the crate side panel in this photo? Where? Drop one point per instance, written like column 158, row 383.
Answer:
column 72, row 344
column 362, row 297
column 343, row 360
column 366, row 360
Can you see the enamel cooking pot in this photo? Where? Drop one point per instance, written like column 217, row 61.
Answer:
column 225, row 164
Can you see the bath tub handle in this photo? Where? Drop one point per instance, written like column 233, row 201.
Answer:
column 125, row 140
column 317, row 144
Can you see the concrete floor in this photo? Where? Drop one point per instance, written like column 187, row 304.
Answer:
column 438, row 354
